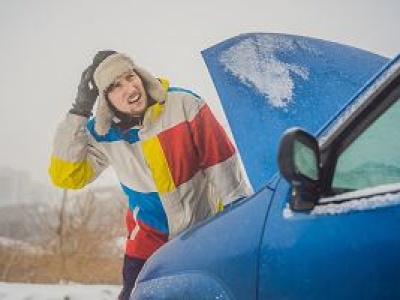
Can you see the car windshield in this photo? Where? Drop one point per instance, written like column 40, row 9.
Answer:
column 373, row 158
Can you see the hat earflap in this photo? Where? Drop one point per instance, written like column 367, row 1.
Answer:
column 153, row 85
column 104, row 117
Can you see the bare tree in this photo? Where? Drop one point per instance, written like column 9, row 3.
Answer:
column 78, row 233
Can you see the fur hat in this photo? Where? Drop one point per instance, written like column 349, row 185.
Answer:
column 106, row 73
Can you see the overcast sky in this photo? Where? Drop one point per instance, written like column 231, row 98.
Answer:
column 45, row 44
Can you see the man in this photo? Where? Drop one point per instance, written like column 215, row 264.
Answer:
column 164, row 143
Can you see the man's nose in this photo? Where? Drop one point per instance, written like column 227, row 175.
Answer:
column 126, row 90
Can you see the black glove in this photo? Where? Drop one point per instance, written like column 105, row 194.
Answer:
column 87, row 94
column 87, row 89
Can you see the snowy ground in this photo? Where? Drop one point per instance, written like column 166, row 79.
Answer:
column 18, row 291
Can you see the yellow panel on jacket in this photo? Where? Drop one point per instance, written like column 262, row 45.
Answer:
column 70, row 175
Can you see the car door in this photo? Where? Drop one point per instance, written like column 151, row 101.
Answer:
column 348, row 245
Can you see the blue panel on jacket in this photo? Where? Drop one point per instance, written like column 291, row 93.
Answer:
column 115, row 134
column 151, row 210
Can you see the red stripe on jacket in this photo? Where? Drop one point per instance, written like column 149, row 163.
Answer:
column 198, row 144
column 146, row 241
column 210, row 138
column 178, row 147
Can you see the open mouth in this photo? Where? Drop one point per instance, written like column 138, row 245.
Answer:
column 134, row 98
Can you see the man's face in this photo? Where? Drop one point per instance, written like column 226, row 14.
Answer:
column 128, row 94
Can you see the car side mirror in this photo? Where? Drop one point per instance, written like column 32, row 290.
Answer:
column 299, row 163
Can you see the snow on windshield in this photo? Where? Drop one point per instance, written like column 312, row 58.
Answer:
column 254, row 62
column 366, row 199
column 358, row 204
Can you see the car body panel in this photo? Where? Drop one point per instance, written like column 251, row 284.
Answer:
column 270, row 82
column 225, row 246
column 351, row 254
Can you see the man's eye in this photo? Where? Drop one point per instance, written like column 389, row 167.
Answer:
column 116, row 85
column 130, row 77
column 112, row 87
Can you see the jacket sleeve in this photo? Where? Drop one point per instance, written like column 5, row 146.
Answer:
column 76, row 158
column 218, row 157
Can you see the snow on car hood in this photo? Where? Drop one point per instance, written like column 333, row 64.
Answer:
column 270, row 82
column 264, row 71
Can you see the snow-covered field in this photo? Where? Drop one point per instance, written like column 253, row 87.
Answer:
column 19, row 291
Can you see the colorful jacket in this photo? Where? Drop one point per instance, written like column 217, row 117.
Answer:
column 166, row 166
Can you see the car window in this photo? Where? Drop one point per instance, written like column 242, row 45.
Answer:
column 374, row 157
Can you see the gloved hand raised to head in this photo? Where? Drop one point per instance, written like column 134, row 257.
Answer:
column 87, row 89
column 87, row 94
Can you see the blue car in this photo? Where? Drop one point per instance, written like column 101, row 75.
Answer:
column 324, row 222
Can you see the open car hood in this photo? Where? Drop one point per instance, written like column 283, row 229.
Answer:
column 270, row 82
